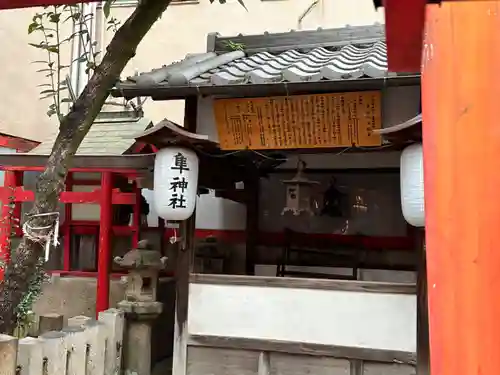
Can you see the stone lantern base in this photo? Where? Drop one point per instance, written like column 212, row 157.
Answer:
column 139, row 317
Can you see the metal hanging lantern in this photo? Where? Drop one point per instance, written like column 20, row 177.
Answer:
column 299, row 193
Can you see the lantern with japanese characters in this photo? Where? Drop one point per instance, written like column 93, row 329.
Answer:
column 412, row 185
column 175, row 183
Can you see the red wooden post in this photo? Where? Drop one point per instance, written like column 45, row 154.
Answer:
column 460, row 94
column 18, row 181
column 105, row 230
column 136, row 216
column 6, row 220
column 67, row 226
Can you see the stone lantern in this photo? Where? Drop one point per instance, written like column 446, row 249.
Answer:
column 140, row 305
column 299, row 191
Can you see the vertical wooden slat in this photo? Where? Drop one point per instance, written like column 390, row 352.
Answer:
column 114, row 322
column 264, row 366
column 96, row 336
column 184, row 264
column 77, row 350
column 30, row 356
column 461, row 138
column 105, row 231
column 67, row 226
column 6, row 220
column 252, row 187
column 55, row 351
column 8, row 355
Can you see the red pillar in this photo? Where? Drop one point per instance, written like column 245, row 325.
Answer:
column 105, row 230
column 68, row 212
column 460, row 93
column 6, row 220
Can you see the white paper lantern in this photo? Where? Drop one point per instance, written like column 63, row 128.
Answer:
column 412, row 185
column 175, row 183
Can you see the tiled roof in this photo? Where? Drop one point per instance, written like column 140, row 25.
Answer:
column 349, row 60
column 112, row 134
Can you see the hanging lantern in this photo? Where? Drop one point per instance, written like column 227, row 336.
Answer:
column 412, row 185
column 299, row 192
column 175, row 183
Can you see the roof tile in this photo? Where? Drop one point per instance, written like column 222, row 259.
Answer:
column 111, row 134
column 348, row 61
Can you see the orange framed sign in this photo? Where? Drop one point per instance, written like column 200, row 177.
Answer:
column 303, row 121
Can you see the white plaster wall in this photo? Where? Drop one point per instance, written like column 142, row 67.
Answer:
column 330, row 317
column 22, row 113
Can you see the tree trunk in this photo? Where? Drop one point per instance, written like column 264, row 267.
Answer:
column 19, row 273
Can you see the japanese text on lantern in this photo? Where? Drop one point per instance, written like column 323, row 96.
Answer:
column 303, row 121
column 178, row 184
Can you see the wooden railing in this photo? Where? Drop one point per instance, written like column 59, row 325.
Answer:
column 85, row 347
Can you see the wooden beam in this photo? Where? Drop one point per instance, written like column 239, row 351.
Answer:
column 303, row 348
column 461, row 147
column 6, row 220
column 252, row 190
column 184, row 266
column 105, row 251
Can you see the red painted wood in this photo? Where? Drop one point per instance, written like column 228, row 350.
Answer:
column 6, row 222
column 75, row 197
column 16, row 143
column 461, row 148
column 321, row 240
column 130, row 173
column 404, row 22
column 68, row 213
column 19, row 177
column 105, row 251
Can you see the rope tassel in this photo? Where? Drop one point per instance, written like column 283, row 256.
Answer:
column 33, row 233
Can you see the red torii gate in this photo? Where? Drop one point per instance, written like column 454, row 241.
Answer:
column 461, row 135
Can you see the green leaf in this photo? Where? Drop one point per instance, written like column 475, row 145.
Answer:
column 32, row 27
column 54, row 17
column 107, row 7
column 66, row 100
column 51, row 112
column 50, row 91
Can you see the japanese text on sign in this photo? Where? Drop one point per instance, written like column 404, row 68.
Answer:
column 179, row 184
column 305, row 121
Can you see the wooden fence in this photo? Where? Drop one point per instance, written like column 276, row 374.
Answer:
column 85, row 347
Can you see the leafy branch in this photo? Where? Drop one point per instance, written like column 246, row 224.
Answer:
column 48, row 24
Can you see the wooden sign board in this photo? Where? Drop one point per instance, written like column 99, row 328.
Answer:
column 303, row 121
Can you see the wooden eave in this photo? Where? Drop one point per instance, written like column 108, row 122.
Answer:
column 165, row 92
column 130, row 162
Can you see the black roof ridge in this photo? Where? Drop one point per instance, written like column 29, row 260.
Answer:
column 302, row 39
